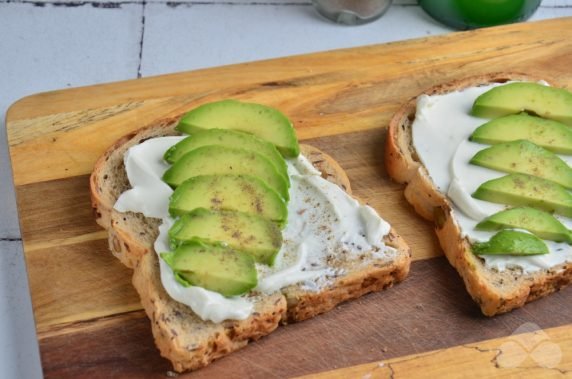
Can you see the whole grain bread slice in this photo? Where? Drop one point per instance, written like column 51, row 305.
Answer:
column 495, row 292
column 181, row 336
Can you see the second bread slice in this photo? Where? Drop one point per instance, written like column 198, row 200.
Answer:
column 494, row 291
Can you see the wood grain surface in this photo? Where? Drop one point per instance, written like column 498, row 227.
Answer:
column 88, row 316
column 429, row 311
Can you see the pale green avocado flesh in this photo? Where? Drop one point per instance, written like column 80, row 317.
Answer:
column 255, row 235
column 511, row 242
column 215, row 268
column 265, row 122
column 540, row 223
column 221, row 160
column 231, row 189
column 544, row 101
column 551, row 135
column 229, row 138
column 525, row 146
column 527, row 190
column 525, row 157
column 241, row 193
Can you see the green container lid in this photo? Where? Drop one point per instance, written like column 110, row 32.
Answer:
column 470, row 14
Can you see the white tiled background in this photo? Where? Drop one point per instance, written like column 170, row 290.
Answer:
column 46, row 45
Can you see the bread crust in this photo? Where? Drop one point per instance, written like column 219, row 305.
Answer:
column 102, row 198
column 182, row 337
column 187, row 341
column 494, row 292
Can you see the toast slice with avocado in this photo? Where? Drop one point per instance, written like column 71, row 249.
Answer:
column 524, row 224
column 184, row 338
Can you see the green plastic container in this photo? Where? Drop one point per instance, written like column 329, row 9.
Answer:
column 470, row 14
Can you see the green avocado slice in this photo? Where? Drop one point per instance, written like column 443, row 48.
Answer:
column 540, row 223
column 527, row 190
column 222, row 160
column 525, row 157
column 228, row 138
column 241, row 193
column 215, row 268
column 544, row 101
column 551, row 135
column 265, row 122
column 252, row 234
column 511, row 242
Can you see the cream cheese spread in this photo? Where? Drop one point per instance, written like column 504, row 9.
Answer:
column 441, row 133
column 324, row 223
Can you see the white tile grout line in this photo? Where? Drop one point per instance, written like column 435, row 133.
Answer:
column 142, row 39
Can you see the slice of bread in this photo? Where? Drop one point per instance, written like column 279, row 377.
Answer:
column 495, row 292
column 181, row 336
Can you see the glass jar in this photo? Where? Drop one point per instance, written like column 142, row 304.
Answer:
column 351, row 12
column 469, row 14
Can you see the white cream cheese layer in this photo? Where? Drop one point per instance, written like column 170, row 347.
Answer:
column 149, row 195
column 322, row 221
column 441, row 133
column 144, row 166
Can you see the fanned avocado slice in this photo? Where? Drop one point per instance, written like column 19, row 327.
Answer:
column 241, row 193
column 255, row 235
column 215, row 268
column 545, row 101
column 222, row 160
column 265, row 122
column 527, row 190
column 228, row 138
column 551, row 135
column 511, row 242
column 540, row 223
column 525, row 157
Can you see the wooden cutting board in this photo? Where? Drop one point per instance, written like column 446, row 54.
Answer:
column 88, row 317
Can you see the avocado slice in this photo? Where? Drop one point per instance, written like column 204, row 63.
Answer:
column 540, row 223
column 527, row 158
column 255, row 235
column 220, row 160
column 511, row 242
column 229, row 138
column 265, row 122
column 544, row 101
column 551, row 135
column 527, row 190
column 215, row 268
column 228, row 192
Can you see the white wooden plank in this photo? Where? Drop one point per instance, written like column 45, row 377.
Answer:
column 190, row 37
column 19, row 354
